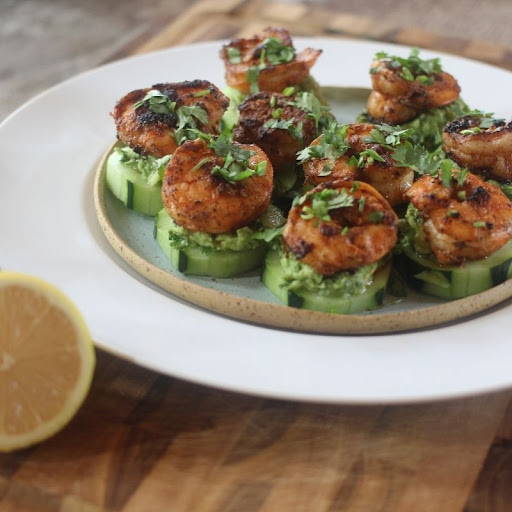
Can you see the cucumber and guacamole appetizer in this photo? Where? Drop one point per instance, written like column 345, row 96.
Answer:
column 215, row 193
column 414, row 93
column 151, row 123
column 136, row 180
column 334, row 255
column 457, row 232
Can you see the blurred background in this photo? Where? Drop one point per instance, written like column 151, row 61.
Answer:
column 43, row 42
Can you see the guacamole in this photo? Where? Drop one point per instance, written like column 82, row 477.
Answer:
column 240, row 240
column 427, row 128
column 298, row 276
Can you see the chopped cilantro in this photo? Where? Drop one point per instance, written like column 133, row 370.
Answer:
column 326, row 170
column 290, row 125
column 288, row 91
column 200, row 94
column 332, row 145
column 479, row 224
column 361, row 203
column 344, row 231
column 188, row 118
column 236, row 166
column 461, row 177
column 461, row 194
column 233, row 54
column 387, row 135
column 324, row 201
column 157, row 102
column 376, row 217
column 445, row 173
column 272, row 51
column 276, row 113
column 411, row 68
column 368, row 157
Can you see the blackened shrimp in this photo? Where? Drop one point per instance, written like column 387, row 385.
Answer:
column 276, row 125
column 403, row 88
column 266, row 62
column 390, row 109
column 481, row 145
column 327, row 168
column 339, row 226
column 466, row 221
column 147, row 121
column 383, row 173
column 200, row 199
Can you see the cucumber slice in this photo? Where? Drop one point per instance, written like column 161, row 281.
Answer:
column 427, row 276
column 372, row 298
column 131, row 189
column 199, row 261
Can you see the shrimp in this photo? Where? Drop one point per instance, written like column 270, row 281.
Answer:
column 320, row 170
column 402, row 89
column 486, row 150
column 360, row 233
column 287, row 69
column 462, row 222
column 390, row 109
column 199, row 200
column 390, row 179
column 272, row 122
column 151, row 132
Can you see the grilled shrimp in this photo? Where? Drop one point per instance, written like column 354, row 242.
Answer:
column 390, row 109
column 276, row 126
column 201, row 201
column 395, row 99
column 462, row 222
column 320, row 170
column 355, row 235
column 390, row 179
column 149, row 132
column 273, row 77
column 487, row 150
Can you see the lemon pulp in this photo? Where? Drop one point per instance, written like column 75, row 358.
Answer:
column 46, row 360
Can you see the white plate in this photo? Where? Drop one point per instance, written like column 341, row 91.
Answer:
column 49, row 149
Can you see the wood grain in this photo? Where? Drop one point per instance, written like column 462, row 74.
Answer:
column 145, row 442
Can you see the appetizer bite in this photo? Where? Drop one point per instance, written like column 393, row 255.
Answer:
column 457, row 237
column 334, row 254
column 151, row 123
column 360, row 151
column 213, row 193
column 415, row 91
column 281, row 125
column 267, row 62
column 481, row 144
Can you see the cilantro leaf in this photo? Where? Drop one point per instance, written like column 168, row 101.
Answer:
column 324, row 201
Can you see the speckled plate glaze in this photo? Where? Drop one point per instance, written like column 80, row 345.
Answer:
column 246, row 298
column 51, row 148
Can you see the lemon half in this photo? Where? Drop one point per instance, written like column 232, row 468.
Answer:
column 46, row 360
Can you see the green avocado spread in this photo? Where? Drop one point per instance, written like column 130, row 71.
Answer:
column 427, row 128
column 412, row 233
column 248, row 237
column 147, row 168
column 300, row 276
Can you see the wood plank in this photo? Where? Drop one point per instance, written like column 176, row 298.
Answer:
column 274, row 455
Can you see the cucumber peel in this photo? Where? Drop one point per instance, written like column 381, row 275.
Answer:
column 131, row 188
column 427, row 276
column 205, row 261
column 371, row 298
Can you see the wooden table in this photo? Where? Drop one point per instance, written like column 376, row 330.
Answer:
column 146, row 442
